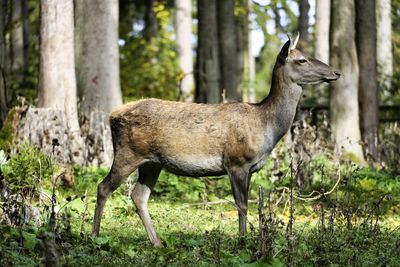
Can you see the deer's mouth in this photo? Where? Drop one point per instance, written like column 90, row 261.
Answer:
column 332, row 78
column 328, row 80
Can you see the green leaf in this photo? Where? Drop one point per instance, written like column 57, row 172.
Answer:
column 30, row 240
column 368, row 184
column 102, row 240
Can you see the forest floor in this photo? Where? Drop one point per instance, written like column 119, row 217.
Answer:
column 344, row 229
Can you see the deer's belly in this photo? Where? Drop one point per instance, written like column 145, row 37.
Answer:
column 258, row 164
column 194, row 166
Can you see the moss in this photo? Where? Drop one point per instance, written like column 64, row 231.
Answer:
column 349, row 156
column 7, row 131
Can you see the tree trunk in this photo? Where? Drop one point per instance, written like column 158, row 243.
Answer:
column 150, row 20
column 384, row 43
column 207, row 65
column 248, row 59
column 344, row 112
column 183, row 26
column 241, row 32
column 97, row 56
column 48, row 129
column 25, row 33
column 277, row 16
column 229, row 58
column 57, row 66
column 3, row 99
column 368, row 87
column 17, row 41
column 98, row 139
column 322, row 21
column 304, row 8
column 3, row 91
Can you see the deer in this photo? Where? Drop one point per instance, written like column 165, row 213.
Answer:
column 198, row 140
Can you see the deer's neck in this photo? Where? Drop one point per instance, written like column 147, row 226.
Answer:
column 279, row 107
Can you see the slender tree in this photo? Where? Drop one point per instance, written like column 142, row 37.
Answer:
column 384, row 43
column 207, row 65
column 344, row 111
column 322, row 21
column 248, row 60
column 368, row 87
column 3, row 92
column 25, row 33
column 150, row 20
column 228, row 45
column 304, row 9
column 57, row 65
column 183, row 26
column 97, row 56
column 17, row 40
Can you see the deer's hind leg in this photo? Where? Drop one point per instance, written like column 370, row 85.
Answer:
column 148, row 175
column 125, row 162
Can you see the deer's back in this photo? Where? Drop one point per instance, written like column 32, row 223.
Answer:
column 191, row 139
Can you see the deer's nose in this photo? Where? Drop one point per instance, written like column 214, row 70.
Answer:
column 337, row 73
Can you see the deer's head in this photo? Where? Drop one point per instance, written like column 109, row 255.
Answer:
column 302, row 69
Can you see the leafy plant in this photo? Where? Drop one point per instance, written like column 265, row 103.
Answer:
column 27, row 167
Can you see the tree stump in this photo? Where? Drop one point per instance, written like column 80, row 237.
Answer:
column 47, row 129
column 97, row 135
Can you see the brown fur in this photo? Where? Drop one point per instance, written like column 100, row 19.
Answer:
column 155, row 127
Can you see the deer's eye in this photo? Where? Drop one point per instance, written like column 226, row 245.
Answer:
column 301, row 61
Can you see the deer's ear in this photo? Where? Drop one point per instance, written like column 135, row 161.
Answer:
column 285, row 50
column 293, row 43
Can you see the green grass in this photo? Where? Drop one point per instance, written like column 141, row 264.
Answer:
column 357, row 225
column 197, row 234
column 205, row 236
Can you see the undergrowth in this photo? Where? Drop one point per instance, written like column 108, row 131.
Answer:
column 355, row 225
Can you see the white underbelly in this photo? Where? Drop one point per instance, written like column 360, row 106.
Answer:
column 194, row 166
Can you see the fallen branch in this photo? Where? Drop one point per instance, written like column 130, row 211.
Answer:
column 310, row 196
column 217, row 202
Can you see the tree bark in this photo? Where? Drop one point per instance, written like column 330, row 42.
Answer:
column 25, row 33
column 183, row 26
column 48, row 129
column 98, row 139
column 3, row 89
column 241, row 33
column 229, row 57
column 384, row 43
column 368, row 87
column 207, row 65
column 304, row 8
column 97, row 56
column 17, row 41
column 150, row 20
column 344, row 111
column 57, row 66
column 322, row 21
column 248, row 59
column 3, row 99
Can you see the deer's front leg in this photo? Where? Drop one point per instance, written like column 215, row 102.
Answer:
column 240, row 180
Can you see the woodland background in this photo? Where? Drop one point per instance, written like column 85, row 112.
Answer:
column 66, row 64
